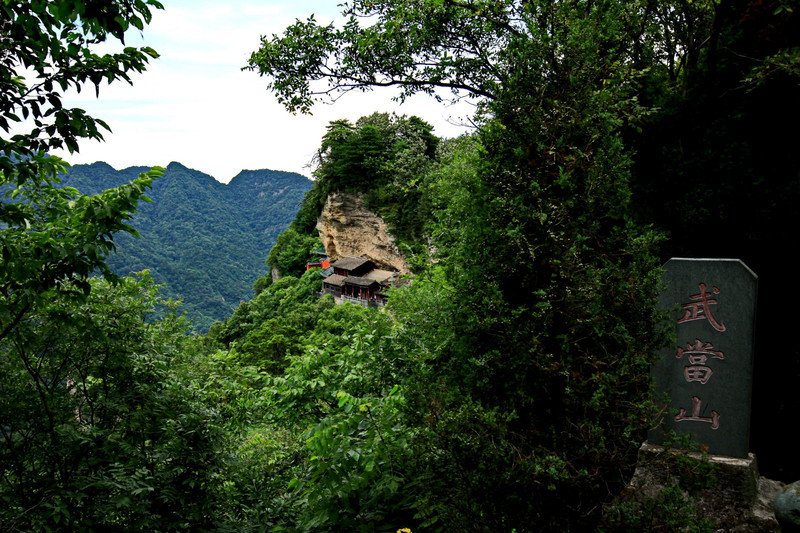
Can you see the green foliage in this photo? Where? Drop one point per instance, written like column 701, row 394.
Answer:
column 346, row 401
column 254, row 494
column 49, row 48
column 415, row 45
column 101, row 424
column 53, row 238
column 322, row 445
column 536, row 374
column 269, row 343
column 507, row 387
column 385, row 157
column 305, row 222
column 292, row 251
column 283, row 301
column 262, row 283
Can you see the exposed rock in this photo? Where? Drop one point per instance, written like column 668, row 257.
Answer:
column 787, row 507
column 726, row 492
column 347, row 227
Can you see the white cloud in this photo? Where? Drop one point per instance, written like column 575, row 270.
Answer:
column 195, row 105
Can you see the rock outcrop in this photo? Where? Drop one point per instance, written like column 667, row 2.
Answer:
column 347, row 227
column 728, row 493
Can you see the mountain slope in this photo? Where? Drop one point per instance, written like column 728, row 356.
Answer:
column 206, row 241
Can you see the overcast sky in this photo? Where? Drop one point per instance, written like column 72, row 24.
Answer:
column 196, row 106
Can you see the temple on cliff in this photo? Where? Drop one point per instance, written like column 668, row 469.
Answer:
column 355, row 279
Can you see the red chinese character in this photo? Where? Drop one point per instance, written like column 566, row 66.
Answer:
column 697, row 373
column 695, row 416
column 698, row 308
column 697, row 354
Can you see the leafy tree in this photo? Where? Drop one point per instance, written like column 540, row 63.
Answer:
column 519, row 340
column 98, row 428
column 342, row 398
column 384, row 157
column 48, row 49
column 276, row 338
column 416, row 46
column 283, row 300
column 102, row 424
column 329, row 389
column 507, row 389
column 52, row 239
column 376, row 151
column 689, row 84
column 292, row 251
column 261, row 283
column 269, row 344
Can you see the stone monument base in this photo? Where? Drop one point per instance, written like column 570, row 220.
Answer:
column 725, row 492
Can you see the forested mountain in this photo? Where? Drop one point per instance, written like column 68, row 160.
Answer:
column 205, row 241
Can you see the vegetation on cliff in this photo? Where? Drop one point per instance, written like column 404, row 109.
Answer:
column 388, row 159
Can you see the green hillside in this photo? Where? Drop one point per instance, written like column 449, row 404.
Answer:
column 204, row 240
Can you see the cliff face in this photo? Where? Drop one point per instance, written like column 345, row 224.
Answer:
column 347, row 227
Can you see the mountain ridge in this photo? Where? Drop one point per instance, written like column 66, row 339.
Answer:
column 205, row 240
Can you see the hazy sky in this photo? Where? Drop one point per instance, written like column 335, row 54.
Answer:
column 196, row 106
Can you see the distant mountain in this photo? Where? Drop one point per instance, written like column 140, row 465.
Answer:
column 206, row 241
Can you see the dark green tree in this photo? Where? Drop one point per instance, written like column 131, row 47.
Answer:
column 287, row 300
column 386, row 159
column 292, row 251
column 95, row 422
column 53, row 239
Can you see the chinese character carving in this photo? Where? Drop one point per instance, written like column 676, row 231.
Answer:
column 697, row 354
column 695, row 416
column 699, row 308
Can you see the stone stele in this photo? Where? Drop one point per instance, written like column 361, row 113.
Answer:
column 704, row 381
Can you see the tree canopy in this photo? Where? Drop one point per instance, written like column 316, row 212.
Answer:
column 70, row 355
column 545, row 286
column 478, row 48
column 506, row 388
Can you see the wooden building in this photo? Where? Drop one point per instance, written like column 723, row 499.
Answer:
column 333, row 285
column 352, row 266
column 323, row 264
column 361, row 288
column 356, row 279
